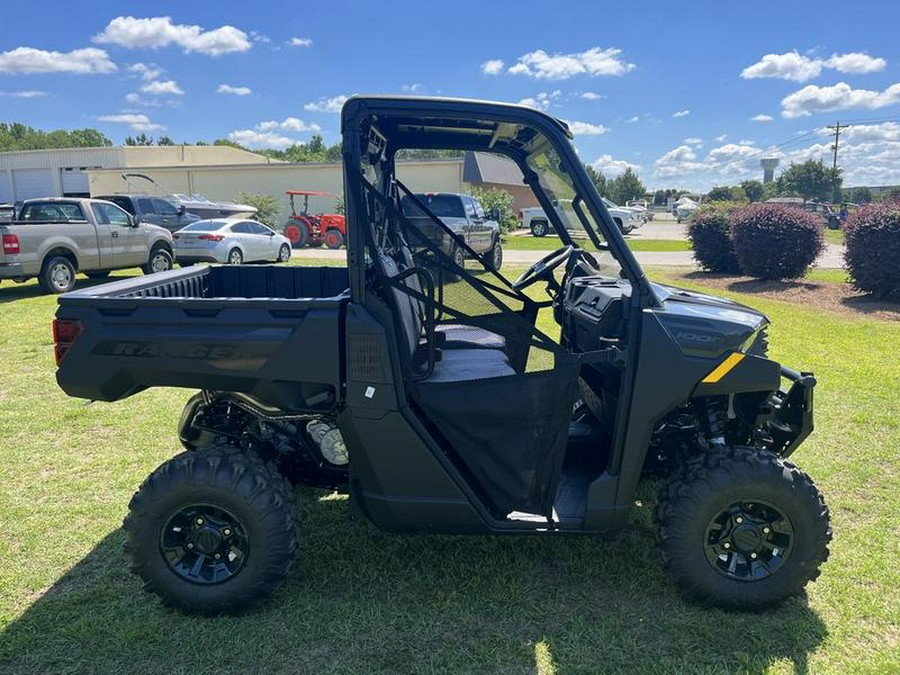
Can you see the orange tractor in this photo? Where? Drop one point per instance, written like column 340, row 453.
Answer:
column 307, row 229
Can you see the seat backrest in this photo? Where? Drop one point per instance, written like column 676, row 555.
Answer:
column 411, row 330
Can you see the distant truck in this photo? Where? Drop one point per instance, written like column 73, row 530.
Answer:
column 154, row 210
column 535, row 218
column 465, row 217
column 53, row 239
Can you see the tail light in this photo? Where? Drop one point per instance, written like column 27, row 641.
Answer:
column 10, row 244
column 65, row 332
column 211, row 237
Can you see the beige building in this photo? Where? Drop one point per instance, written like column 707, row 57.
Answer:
column 64, row 172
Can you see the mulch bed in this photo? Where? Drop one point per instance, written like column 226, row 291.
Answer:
column 833, row 297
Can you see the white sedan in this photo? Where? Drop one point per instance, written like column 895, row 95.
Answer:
column 231, row 241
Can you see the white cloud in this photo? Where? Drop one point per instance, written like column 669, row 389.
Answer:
column 237, row 91
column 586, row 129
column 492, row 67
column 30, row 93
column 166, row 88
column 137, row 122
column 591, row 96
column 294, row 124
column 156, row 32
column 593, row 62
column 136, row 99
column 413, row 88
column 329, row 105
column 543, row 100
column 610, row 167
column 855, row 63
column 259, row 140
column 146, row 71
column 681, row 113
column 693, row 140
column 762, row 118
column 261, row 38
column 26, row 60
column 841, row 96
column 721, row 138
column 632, row 120
column 300, row 42
column 799, row 68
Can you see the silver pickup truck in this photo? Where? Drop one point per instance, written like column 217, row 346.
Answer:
column 53, row 239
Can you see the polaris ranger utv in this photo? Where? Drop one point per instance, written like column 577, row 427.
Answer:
column 433, row 394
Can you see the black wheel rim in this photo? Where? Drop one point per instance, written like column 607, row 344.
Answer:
column 204, row 544
column 749, row 540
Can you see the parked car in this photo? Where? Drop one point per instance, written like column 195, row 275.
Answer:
column 231, row 241
column 154, row 210
column 464, row 216
column 53, row 239
column 643, row 207
column 684, row 208
column 535, row 218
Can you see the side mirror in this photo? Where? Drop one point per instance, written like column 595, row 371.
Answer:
column 494, row 214
column 181, row 209
column 135, row 220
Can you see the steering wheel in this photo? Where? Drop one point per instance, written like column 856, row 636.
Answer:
column 543, row 268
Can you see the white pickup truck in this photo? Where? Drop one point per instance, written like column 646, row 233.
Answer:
column 52, row 239
column 535, row 219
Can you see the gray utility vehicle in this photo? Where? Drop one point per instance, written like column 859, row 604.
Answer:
column 52, row 239
column 436, row 398
column 462, row 218
column 154, row 210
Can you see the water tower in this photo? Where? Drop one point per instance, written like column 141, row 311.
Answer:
column 768, row 165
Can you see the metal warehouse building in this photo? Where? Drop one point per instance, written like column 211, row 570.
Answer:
column 221, row 173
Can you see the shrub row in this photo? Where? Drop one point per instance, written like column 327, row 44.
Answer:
column 872, row 256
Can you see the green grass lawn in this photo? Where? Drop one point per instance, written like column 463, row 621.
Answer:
column 529, row 243
column 363, row 601
column 834, row 236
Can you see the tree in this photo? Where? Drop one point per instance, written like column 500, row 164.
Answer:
column 753, row 189
column 627, row 187
column 860, row 195
column 659, row 198
column 17, row 136
column 140, row 139
column 164, row 140
column 811, row 180
column 598, row 179
column 497, row 198
column 720, row 193
column 268, row 207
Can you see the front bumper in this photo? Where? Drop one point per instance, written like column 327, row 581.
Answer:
column 792, row 416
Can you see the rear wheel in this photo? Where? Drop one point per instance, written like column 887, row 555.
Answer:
column 539, row 228
column 160, row 260
column 57, row 275
column 334, row 238
column 740, row 528
column 297, row 231
column 235, row 257
column 284, row 253
column 212, row 531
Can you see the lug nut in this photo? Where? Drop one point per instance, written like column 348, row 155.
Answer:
column 226, row 532
column 190, row 545
column 199, row 521
column 753, row 555
column 217, row 556
column 726, row 545
column 766, row 530
column 739, row 520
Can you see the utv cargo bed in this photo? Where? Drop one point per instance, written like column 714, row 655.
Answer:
column 235, row 328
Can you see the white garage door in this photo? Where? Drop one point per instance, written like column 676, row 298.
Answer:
column 31, row 183
column 75, row 183
column 5, row 191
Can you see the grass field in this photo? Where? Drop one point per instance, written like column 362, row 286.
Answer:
column 529, row 243
column 362, row 601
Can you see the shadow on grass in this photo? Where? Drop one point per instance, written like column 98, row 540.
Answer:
column 360, row 600
column 11, row 291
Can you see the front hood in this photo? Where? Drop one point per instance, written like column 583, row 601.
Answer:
column 704, row 324
column 156, row 230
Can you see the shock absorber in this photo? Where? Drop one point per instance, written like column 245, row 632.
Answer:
column 713, row 420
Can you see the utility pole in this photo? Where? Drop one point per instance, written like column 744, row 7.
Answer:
column 837, row 128
column 837, row 135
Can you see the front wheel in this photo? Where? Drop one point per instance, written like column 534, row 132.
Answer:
column 160, row 260
column 539, row 228
column 333, row 238
column 495, row 256
column 740, row 528
column 212, row 531
column 284, row 253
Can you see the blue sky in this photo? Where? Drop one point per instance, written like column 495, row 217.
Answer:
column 691, row 96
